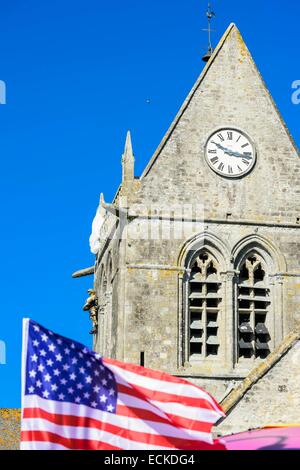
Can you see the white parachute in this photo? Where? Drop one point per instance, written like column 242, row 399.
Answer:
column 96, row 227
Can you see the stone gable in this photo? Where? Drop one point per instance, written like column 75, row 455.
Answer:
column 229, row 92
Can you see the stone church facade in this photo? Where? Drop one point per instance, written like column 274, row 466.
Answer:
column 198, row 270
column 198, row 264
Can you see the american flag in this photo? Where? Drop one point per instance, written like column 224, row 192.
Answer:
column 75, row 399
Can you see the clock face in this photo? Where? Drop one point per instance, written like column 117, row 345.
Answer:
column 230, row 153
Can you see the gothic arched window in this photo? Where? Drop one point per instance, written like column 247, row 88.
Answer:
column 253, row 309
column 204, row 303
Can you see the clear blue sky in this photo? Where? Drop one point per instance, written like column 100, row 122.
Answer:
column 78, row 75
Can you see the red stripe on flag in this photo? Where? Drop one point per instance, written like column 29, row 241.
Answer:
column 150, row 373
column 156, row 395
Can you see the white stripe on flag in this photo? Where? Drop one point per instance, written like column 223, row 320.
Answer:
column 36, row 445
column 188, row 412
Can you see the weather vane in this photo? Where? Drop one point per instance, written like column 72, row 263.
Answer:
column 210, row 15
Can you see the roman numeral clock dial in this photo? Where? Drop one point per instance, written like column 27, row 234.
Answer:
column 230, row 153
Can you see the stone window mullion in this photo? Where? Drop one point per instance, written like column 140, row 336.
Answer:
column 252, row 316
column 204, row 320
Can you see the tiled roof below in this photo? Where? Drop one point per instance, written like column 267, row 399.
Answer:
column 9, row 429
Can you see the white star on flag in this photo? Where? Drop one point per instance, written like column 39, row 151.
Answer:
column 103, row 399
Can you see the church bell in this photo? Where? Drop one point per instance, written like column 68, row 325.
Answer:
column 208, row 55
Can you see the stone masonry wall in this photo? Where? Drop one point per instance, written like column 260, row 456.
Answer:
column 275, row 399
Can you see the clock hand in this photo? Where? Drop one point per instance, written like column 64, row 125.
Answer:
column 226, row 150
column 231, row 153
column 218, row 145
column 240, row 155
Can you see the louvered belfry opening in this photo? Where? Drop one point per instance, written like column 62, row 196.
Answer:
column 253, row 310
column 205, row 301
